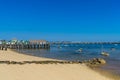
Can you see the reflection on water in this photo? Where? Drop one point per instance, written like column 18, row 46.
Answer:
column 68, row 52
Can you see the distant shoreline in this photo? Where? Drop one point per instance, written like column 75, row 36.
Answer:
column 64, row 42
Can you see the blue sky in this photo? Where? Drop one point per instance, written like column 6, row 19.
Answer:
column 71, row 20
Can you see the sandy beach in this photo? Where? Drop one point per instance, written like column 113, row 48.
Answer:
column 43, row 71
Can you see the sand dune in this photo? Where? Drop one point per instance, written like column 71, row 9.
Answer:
column 43, row 71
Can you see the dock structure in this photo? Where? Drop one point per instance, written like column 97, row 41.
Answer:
column 31, row 44
column 39, row 44
column 3, row 45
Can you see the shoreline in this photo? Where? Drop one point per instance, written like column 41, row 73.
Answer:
column 40, row 71
column 106, row 73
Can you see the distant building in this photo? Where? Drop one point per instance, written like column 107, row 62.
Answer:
column 14, row 41
column 2, row 41
column 38, row 42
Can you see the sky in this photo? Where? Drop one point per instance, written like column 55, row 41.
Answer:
column 54, row 20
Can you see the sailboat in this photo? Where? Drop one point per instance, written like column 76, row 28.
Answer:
column 79, row 50
column 103, row 53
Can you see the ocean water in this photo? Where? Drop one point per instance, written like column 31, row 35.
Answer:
column 89, row 51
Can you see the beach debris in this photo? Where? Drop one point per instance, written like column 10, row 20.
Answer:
column 104, row 53
column 91, row 62
column 40, row 62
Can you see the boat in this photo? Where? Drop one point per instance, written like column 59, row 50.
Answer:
column 113, row 49
column 59, row 47
column 103, row 53
column 79, row 50
column 66, row 45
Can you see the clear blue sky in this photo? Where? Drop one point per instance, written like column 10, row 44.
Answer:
column 71, row 20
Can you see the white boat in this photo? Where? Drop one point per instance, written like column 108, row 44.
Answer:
column 103, row 53
column 59, row 47
column 79, row 50
column 113, row 49
column 116, row 44
column 66, row 45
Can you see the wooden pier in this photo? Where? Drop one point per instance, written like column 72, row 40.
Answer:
column 32, row 44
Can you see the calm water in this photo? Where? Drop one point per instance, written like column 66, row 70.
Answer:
column 68, row 52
